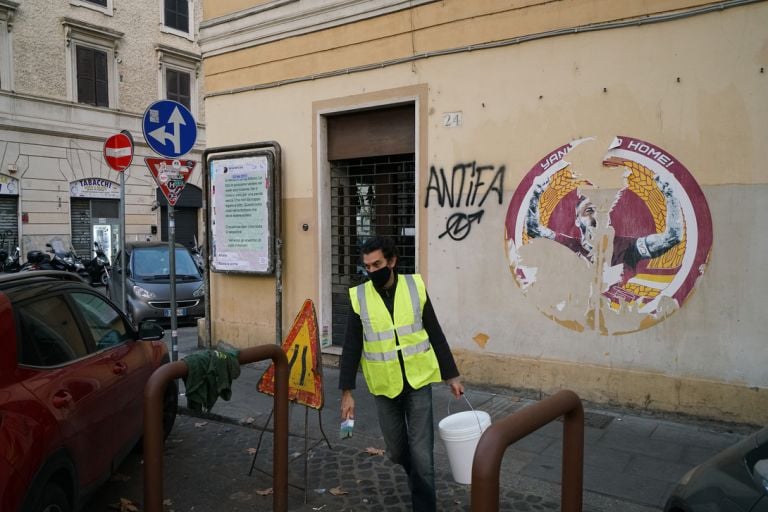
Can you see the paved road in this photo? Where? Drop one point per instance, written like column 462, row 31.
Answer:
column 631, row 460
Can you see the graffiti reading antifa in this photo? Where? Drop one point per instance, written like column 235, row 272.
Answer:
column 468, row 186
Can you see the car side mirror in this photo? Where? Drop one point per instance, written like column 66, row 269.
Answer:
column 760, row 474
column 150, row 331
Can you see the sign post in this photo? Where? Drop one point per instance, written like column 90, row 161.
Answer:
column 118, row 153
column 171, row 175
column 170, row 130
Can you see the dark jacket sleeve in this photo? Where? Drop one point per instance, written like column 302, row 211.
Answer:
column 448, row 369
column 351, row 352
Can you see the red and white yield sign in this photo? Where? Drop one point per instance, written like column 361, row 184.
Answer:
column 118, row 152
column 170, row 175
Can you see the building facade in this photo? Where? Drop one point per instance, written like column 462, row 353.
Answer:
column 581, row 183
column 73, row 73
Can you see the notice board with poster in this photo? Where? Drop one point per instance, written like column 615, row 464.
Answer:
column 242, row 213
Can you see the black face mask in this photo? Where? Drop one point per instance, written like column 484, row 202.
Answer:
column 380, row 277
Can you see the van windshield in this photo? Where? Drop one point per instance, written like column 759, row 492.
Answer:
column 151, row 263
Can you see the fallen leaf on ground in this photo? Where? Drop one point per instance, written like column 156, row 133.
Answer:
column 119, row 477
column 247, row 420
column 252, row 450
column 337, row 491
column 264, row 492
column 201, row 424
column 125, row 505
column 374, row 451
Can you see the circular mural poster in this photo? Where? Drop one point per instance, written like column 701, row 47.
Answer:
column 616, row 258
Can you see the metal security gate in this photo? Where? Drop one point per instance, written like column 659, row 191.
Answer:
column 185, row 215
column 369, row 196
column 186, row 225
column 87, row 214
column 80, row 213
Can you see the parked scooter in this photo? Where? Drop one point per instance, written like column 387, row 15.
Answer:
column 37, row 260
column 7, row 257
column 98, row 268
column 10, row 263
column 61, row 259
column 66, row 260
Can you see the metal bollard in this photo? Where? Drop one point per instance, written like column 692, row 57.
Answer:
column 486, row 464
column 153, row 425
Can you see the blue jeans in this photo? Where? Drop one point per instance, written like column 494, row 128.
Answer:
column 406, row 423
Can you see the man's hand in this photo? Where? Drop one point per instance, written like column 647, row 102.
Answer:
column 457, row 388
column 347, row 405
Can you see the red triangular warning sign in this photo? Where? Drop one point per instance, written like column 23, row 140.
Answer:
column 170, row 175
column 305, row 380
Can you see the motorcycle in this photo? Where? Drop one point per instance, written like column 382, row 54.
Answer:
column 37, row 260
column 66, row 260
column 98, row 268
column 10, row 263
column 8, row 260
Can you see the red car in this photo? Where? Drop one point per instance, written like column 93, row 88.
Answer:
column 72, row 377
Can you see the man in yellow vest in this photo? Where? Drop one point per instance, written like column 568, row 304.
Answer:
column 395, row 335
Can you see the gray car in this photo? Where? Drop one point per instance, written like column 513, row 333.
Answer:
column 148, row 283
column 735, row 480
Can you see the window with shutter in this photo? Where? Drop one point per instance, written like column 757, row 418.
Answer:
column 92, row 77
column 91, row 62
column 177, row 85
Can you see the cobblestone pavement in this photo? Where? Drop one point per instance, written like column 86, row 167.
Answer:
column 631, row 460
column 206, row 468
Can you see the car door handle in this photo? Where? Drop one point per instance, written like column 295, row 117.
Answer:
column 119, row 368
column 61, row 399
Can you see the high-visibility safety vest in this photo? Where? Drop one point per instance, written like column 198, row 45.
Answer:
column 384, row 337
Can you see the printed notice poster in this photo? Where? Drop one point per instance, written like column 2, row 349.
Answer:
column 241, row 214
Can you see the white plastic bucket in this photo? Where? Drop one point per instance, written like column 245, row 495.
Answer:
column 460, row 432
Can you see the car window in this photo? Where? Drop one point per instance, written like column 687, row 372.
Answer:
column 49, row 333
column 105, row 323
column 155, row 262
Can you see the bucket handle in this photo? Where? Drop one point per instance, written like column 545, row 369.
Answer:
column 470, row 406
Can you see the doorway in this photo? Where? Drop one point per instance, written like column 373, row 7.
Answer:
column 95, row 220
column 372, row 192
column 185, row 213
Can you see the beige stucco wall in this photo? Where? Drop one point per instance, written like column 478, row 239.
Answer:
column 216, row 9
column 518, row 103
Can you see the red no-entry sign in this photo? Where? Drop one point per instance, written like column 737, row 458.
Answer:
column 118, row 152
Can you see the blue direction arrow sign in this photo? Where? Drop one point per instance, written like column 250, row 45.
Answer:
column 169, row 128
